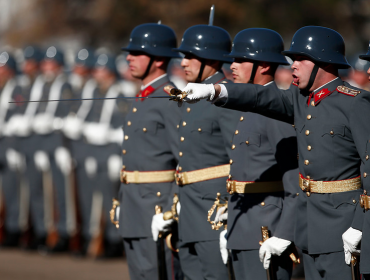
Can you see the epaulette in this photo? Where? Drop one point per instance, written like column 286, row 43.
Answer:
column 294, row 84
column 348, row 91
column 224, row 82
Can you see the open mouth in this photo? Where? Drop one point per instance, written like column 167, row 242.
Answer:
column 295, row 79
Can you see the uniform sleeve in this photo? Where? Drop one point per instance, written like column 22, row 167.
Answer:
column 269, row 101
column 360, row 129
column 284, row 144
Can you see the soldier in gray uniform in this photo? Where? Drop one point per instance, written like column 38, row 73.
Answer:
column 10, row 159
column 331, row 122
column 205, row 134
column 149, row 152
column 263, row 174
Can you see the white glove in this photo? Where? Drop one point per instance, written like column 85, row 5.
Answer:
column 63, row 160
column 19, row 125
column 223, row 243
column 199, row 91
column 158, row 224
column 351, row 238
column 116, row 136
column 43, row 123
column 178, row 208
column 72, row 127
column 91, row 166
column 96, row 133
column 114, row 166
column 42, row 161
column 14, row 159
column 221, row 216
column 272, row 246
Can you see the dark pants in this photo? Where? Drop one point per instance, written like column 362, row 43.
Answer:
column 329, row 266
column 247, row 265
column 142, row 260
column 202, row 260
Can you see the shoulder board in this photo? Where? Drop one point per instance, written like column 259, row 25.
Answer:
column 348, row 91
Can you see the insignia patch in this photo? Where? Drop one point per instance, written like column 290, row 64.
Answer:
column 348, row 91
column 321, row 95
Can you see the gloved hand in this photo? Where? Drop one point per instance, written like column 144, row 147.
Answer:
column 114, row 166
column 178, row 208
column 198, row 91
column 272, row 246
column 63, row 160
column 351, row 238
column 96, row 133
column 42, row 161
column 91, row 167
column 14, row 159
column 43, row 123
column 223, row 243
column 158, row 224
column 221, row 215
column 72, row 127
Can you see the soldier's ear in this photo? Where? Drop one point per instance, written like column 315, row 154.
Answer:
column 264, row 68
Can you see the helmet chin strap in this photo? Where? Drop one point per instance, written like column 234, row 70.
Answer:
column 201, row 70
column 253, row 73
column 147, row 68
column 312, row 77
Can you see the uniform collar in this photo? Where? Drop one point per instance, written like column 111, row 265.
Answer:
column 215, row 78
column 153, row 82
column 324, row 91
column 148, row 89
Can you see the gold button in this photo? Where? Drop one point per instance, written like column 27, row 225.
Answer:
column 180, row 154
column 309, row 117
column 306, row 162
column 158, row 194
column 293, row 125
column 183, row 123
column 297, row 194
column 263, row 203
column 180, row 168
column 182, row 139
column 188, row 110
column 123, row 167
column 178, row 126
column 247, row 142
column 124, row 152
column 308, row 177
column 231, row 161
column 134, row 110
column 230, row 176
column 312, row 103
column 199, row 129
column 367, row 157
column 308, row 194
column 307, row 132
column 144, row 129
column 309, row 148
column 233, row 147
column 331, row 132
column 365, row 174
column 236, row 131
column 241, row 119
column 354, row 201
column 128, row 123
column 126, row 137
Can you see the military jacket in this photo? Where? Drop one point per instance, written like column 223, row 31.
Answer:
column 263, row 150
column 205, row 134
column 332, row 131
column 150, row 144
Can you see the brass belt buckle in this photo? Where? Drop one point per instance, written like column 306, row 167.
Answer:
column 179, row 179
column 306, row 186
column 229, row 186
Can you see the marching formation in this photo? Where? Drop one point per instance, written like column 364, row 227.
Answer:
column 223, row 181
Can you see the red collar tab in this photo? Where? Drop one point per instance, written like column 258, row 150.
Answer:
column 145, row 92
column 294, row 84
column 321, row 95
column 309, row 98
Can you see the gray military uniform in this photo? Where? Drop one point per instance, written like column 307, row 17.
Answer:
column 263, row 150
column 205, row 134
column 150, row 145
column 331, row 127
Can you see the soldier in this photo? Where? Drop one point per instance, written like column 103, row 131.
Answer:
column 11, row 160
column 205, row 134
column 103, row 135
column 149, row 152
column 263, row 175
column 331, row 122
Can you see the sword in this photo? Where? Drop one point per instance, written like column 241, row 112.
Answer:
column 162, row 272
column 355, row 269
column 265, row 235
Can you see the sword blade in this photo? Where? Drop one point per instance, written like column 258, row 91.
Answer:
column 82, row 99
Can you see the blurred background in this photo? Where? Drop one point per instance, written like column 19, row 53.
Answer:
column 58, row 176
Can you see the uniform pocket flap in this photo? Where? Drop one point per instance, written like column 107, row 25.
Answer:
column 252, row 139
column 345, row 198
column 299, row 126
column 202, row 126
column 333, row 130
column 147, row 127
